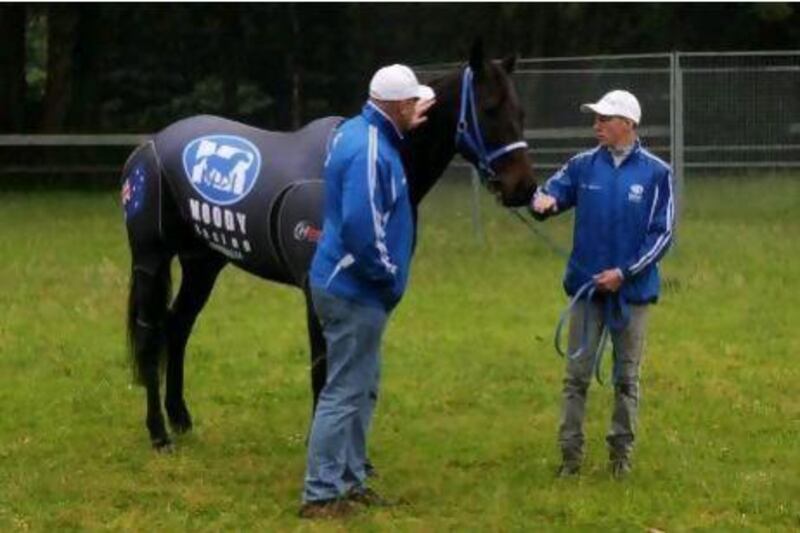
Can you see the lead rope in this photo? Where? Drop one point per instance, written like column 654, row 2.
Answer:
column 585, row 292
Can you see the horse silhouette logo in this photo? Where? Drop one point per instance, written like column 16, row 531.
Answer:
column 221, row 168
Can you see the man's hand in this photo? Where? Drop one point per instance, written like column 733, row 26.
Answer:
column 543, row 203
column 420, row 109
column 609, row 280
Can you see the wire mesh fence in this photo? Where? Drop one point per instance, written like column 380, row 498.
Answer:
column 702, row 112
column 552, row 90
column 740, row 110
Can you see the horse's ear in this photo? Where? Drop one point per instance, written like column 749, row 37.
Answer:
column 476, row 56
column 509, row 63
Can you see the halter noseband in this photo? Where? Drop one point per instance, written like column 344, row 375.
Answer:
column 468, row 132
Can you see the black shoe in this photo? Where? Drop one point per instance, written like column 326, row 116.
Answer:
column 327, row 509
column 620, row 468
column 370, row 470
column 568, row 469
column 369, row 498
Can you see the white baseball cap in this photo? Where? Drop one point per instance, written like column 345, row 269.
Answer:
column 397, row 82
column 616, row 104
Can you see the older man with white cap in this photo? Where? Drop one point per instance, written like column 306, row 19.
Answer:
column 358, row 275
column 623, row 197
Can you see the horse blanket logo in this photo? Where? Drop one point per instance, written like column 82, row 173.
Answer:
column 221, row 168
column 305, row 231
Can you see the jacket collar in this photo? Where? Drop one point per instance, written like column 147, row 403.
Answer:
column 374, row 115
column 637, row 146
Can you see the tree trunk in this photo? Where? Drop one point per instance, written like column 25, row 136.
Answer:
column 294, row 68
column 231, row 33
column 85, row 111
column 62, row 22
column 12, row 67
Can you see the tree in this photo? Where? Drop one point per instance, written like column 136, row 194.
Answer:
column 12, row 67
column 62, row 23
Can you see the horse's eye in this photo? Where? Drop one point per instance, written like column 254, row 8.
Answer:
column 494, row 108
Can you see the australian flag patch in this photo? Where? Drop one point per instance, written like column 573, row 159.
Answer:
column 133, row 191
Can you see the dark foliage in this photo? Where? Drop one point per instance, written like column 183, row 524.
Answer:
column 135, row 67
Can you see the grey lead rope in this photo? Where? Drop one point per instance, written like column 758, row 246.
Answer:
column 586, row 291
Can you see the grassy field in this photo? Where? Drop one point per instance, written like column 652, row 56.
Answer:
column 465, row 429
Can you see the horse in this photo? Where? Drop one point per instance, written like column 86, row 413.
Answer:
column 212, row 191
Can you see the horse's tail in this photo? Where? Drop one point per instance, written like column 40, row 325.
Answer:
column 140, row 330
column 150, row 284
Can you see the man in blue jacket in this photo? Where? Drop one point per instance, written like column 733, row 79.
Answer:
column 623, row 197
column 358, row 275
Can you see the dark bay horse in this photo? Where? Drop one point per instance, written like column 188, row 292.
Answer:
column 212, row 191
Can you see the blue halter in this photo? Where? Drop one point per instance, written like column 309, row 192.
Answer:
column 469, row 139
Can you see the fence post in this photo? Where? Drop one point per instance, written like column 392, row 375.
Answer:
column 476, row 205
column 676, row 129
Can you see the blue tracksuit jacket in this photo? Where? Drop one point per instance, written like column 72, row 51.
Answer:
column 368, row 231
column 624, row 218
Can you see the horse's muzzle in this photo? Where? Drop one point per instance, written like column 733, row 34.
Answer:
column 517, row 195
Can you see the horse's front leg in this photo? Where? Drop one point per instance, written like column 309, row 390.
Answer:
column 179, row 418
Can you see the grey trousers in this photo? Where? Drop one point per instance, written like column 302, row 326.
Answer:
column 628, row 347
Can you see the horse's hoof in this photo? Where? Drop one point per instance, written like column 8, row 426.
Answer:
column 179, row 419
column 180, row 427
column 180, row 423
column 163, row 445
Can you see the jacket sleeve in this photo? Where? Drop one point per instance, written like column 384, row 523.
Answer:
column 659, row 228
column 562, row 186
column 367, row 203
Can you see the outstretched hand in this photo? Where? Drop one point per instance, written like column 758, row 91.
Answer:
column 543, row 203
column 421, row 107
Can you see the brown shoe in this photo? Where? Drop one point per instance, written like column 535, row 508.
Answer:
column 326, row 509
column 369, row 498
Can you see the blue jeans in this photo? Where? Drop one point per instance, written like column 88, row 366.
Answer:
column 338, row 442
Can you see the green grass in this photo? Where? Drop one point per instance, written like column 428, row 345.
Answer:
column 465, row 428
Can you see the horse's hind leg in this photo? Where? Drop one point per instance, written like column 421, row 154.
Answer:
column 199, row 272
column 150, row 292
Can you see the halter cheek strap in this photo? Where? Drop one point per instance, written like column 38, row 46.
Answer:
column 469, row 139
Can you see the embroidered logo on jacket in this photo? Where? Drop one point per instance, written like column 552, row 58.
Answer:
column 636, row 193
column 221, row 168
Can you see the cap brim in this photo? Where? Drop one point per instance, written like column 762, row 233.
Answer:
column 600, row 109
column 596, row 108
column 425, row 93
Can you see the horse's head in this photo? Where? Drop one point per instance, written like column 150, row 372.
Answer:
column 490, row 128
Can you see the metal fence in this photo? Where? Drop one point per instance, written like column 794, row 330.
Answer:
column 705, row 113
column 702, row 112
column 739, row 110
